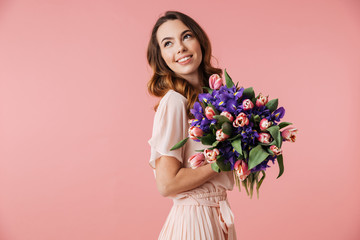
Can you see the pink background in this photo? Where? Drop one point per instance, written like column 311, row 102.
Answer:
column 75, row 116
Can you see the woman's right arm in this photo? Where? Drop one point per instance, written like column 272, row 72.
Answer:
column 172, row 178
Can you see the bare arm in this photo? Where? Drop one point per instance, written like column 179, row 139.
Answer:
column 172, row 178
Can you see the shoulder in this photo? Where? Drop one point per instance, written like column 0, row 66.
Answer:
column 173, row 99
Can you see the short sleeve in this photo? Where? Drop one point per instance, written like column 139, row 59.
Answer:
column 169, row 127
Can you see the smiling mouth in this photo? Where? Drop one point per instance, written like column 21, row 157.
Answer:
column 184, row 59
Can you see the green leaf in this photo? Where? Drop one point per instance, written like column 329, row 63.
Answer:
column 208, row 89
column 233, row 138
column 221, row 119
column 275, row 133
column 246, row 154
column 223, row 166
column 227, row 128
column 281, row 165
column 208, row 139
column 229, row 81
column 272, row 105
column 179, row 144
column 249, row 93
column 262, row 179
column 268, row 144
column 257, row 118
column 213, row 128
column 215, row 167
column 284, row 124
column 251, row 180
column 245, row 183
column 200, row 150
column 253, row 100
column 257, row 156
column 237, row 146
column 215, row 143
column 260, row 182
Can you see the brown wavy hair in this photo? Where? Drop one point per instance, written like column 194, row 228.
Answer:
column 164, row 78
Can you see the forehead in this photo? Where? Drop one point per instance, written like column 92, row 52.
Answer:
column 170, row 28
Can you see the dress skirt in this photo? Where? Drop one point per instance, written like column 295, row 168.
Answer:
column 199, row 216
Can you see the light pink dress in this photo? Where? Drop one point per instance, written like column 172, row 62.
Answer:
column 203, row 212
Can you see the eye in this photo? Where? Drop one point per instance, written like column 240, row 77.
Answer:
column 188, row 35
column 166, row 43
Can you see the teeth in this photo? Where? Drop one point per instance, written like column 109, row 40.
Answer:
column 183, row 59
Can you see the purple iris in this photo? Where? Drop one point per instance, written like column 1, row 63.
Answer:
column 263, row 165
column 238, row 94
column 197, row 111
column 263, row 112
column 278, row 114
column 205, row 124
column 248, row 136
column 231, row 156
column 205, row 97
column 231, row 106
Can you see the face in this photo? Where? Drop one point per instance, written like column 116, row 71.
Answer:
column 177, row 43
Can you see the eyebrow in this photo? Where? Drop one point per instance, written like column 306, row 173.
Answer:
column 187, row 30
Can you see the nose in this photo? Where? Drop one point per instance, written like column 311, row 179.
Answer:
column 181, row 48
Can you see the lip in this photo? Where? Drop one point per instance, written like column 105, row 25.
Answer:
column 183, row 57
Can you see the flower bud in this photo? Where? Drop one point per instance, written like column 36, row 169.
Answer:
column 262, row 100
column 247, row 104
column 289, row 134
column 221, row 136
column 215, row 81
column 209, row 113
column 210, row 155
column 264, row 137
column 277, row 151
column 241, row 169
column 197, row 160
column 195, row 132
column 264, row 124
column 228, row 115
column 241, row 120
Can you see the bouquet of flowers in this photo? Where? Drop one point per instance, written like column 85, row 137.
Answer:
column 241, row 130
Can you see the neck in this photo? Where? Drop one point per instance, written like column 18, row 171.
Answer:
column 195, row 80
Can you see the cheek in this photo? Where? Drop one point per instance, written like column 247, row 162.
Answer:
column 195, row 47
column 198, row 49
column 167, row 57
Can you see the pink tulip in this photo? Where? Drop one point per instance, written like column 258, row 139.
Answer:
column 195, row 132
column 247, row 104
column 241, row 169
column 264, row 124
column 215, row 81
column 289, row 134
column 277, row 151
column 209, row 113
column 197, row 160
column 221, row 136
column 228, row 115
column 210, row 155
column 264, row 137
column 241, row 120
column 262, row 100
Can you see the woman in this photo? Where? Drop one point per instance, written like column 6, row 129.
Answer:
column 179, row 53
